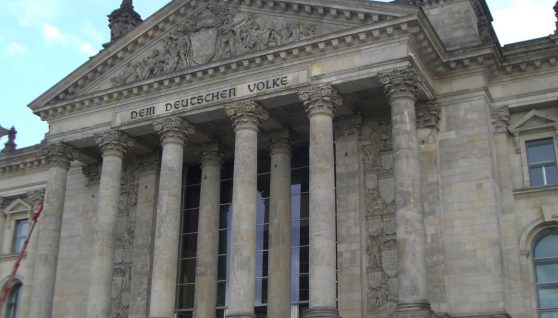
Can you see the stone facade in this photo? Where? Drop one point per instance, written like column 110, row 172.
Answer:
column 416, row 123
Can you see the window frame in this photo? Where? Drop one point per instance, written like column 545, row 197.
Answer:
column 15, row 237
column 544, row 261
column 524, row 140
column 529, row 165
column 8, row 314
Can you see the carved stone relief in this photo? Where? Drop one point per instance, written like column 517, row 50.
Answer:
column 215, row 33
column 380, row 218
column 125, row 234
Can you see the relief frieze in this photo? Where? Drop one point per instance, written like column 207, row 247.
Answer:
column 215, row 33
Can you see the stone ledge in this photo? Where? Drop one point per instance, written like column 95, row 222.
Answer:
column 535, row 190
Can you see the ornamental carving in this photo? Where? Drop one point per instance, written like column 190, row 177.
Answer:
column 114, row 142
column 124, row 240
column 347, row 127
column 428, row 115
column 59, row 155
column 173, row 129
column 279, row 141
column 381, row 245
column 34, row 197
column 215, row 33
column 500, row 119
column 400, row 83
column 246, row 114
column 322, row 98
column 151, row 162
column 92, row 172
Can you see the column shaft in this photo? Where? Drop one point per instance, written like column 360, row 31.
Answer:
column 205, row 298
column 246, row 117
column 321, row 102
column 279, row 264
column 401, row 87
column 50, row 225
column 113, row 146
column 174, row 132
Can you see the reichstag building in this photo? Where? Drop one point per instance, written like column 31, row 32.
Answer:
column 289, row 159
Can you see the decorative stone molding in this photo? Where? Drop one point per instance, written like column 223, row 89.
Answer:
column 400, row 83
column 34, row 197
column 246, row 115
column 114, row 142
column 221, row 25
column 59, row 155
column 123, row 20
column 320, row 99
column 500, row 119
column 347, row 127
column 151, row 163
column 279, row 141
column 211, row 154
column 173, row 130
column 92, row 173
column 428, row 115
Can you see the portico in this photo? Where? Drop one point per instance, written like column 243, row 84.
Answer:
column 273, row 159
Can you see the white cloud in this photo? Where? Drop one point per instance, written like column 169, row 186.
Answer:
column 519, row 20
column 52, row 34
column 87, row 48
column 16, row 49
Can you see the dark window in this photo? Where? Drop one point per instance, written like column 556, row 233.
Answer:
column 14, row 298
column 20, row 234
column 545, row 258
column 541, row 157
column 300, row 233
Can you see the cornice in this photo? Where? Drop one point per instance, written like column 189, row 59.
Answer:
column 275, row 56
column 166, row 18
column 23, row 161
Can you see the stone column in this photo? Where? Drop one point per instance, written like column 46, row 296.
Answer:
column 279, row 264
column 175, row 133
column 401, row 87
column 143, row 242
column 58, row 157
column 246, row 117
column 320, row 103
column 205, row 298
column 113, row 144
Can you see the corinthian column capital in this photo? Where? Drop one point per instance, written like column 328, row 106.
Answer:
column 34, row 197
column 173, row 129
column 246, row 115
column 114, row 142
column 400, row 83
column 59, row 155
column 322, row 98
column 279, row 141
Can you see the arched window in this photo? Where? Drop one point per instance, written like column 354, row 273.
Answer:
column 12, row 305
column 545, row 258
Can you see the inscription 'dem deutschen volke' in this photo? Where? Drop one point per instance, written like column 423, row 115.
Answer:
column 196, row 100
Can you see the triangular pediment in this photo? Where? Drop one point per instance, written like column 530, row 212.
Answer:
column 17, row 206
column 534, row 120
column 185, row 35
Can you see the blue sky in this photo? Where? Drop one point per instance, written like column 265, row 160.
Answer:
column 42, row 41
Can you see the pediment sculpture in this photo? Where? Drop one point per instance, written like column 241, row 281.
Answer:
column 215, row 33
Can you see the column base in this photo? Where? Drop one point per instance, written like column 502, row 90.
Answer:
column 322, row 312
column 241, row 315
column 414, row 310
